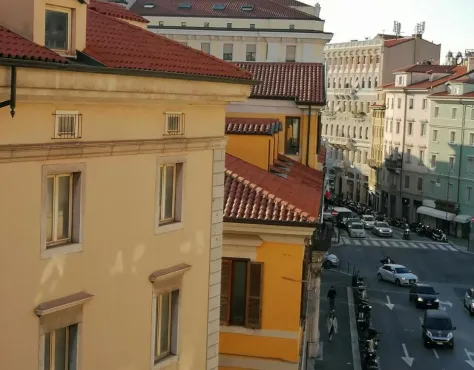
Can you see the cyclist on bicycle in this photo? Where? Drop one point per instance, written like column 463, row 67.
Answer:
column 332, row 297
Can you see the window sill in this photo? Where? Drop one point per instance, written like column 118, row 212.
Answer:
column 164, row 362
column 61, row 250
column 166, row 228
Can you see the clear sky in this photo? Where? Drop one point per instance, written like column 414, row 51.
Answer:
column 448, row 22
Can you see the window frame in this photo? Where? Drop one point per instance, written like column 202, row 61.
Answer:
column 250, row 53
column 52, row 349
column 231, row 53
column 434, row 136
column 289, row 120
column 77, row 170
column 55, row 242
column 209, row 47
column 451, row 133
column 158, row 326
column 436, row 112
column 286, row 54
column 180, row 163
column 454, row 112
column 68, row 11
column 418, row 183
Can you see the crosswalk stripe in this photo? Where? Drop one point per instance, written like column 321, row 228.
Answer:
column 434, row 246
column 384, row 243
column 451, row 248
column 375, row 243
column 413, row 245
column 422, row 245
column 356, row 242
column 395, row 244
column 404, row 245
column 365, row 242
column 442, row 247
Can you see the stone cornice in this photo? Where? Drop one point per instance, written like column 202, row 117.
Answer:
column 85, row 149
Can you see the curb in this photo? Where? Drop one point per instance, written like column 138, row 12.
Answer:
column 460, row 249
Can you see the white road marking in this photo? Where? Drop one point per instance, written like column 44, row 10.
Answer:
column 421, row 319
column 395, row 244
column 375, row 243
column 356, row 242
column 434, row 246
column 442, row 247
column 404, row 245
column 422, row 245
column 384, row 243
column 413, row 245
column 451, row 248
column 365, row 242
column 435, row 353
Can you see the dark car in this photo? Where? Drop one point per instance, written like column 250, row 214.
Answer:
column 437, row 329
column 424, row 296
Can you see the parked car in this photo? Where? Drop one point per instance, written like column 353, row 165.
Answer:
column 469, row 301
column 397, row 274
column 437, row 329
column 356, row 229
column 423, row 295
column 330, row 260
column 327, row 216
column 347, row 221
column 382, row 229
column 368, row 221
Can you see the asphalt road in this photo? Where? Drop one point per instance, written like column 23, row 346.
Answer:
column 397, row 235
column 450, row 273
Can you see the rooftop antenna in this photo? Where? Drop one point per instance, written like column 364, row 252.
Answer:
column 397, row 27
column 420, row 28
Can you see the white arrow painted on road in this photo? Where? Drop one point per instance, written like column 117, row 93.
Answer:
column 389, row 304
column 469, row 356
column 446, row 303
column 409, row 360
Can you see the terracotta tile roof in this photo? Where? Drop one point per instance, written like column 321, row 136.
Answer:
column 445, row 94
column 118, row 44
column 291, row 3
column 14, row 46
column 456, row 72
column 388, row 86
column 251, row 193
column 426, row 68
column 395, row 42
column 302, row 82
column 116, row 11
column 252, row 126
column 299, row 172
column 263, row 9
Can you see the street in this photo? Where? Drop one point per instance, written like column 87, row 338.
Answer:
column 450, row 273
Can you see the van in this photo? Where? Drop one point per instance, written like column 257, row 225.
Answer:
column 437, row 329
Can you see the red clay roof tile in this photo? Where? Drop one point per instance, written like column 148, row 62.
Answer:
column 302, row 82
column 291, row 3
column 14, row 46
column 395, row 42
column 252, row 126
column 115, row 10
column 263, row 9
column 255, row 194
column 118, row 44
column 426, row 68
column 456, row 72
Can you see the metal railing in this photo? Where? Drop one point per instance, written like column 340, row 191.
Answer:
column 174, row 124
column 67, row 126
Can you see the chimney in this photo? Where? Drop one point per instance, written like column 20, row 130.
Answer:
column 317, row 9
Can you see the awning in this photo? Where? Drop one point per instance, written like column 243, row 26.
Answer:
column 462, row 219
column 435, row 213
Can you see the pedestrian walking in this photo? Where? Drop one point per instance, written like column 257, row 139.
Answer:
column 332, row 297
column 332, row 324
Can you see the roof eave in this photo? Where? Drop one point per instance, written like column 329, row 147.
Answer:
column 311, row 225
column 121, row 71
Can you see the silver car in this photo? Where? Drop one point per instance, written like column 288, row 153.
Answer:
column 330, row 260
column 382, row 229
column 356, row 229
column 368, row 221
column 397, row 274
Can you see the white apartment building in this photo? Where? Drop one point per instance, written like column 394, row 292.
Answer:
column 354, row 71
column 257, row 31
column 407, row 136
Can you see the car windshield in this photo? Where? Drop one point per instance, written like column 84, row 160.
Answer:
column 402, row 270
column 368, row 218
column 357, row 226
column 426, row 290
column 439, row 323
column 382, row 224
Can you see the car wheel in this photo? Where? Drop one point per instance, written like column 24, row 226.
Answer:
column 397, row 282
column 451, row 346
column 327, row 264
column 379, row 276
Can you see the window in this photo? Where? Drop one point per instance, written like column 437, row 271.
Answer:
column 251, row 53
column 228, row 51
column 423, row 129
column 161, row 23
column 206, row 47
column 400, row 80
column 452, row 137
column 246, row 8
column 366, row 132
column 408, row 159
column 391, row 126
column 436, row 112
column 292, row 27
column 206, row 24
column 60, row 349
column 421, row 159
column 410, row 128
column 386, row 126
column 360, row 132
column 67, row 125
column 468, row 193
column 424, row 104
column 435, row 135
column 407, row 182
column 365, row 157
column 332, row 127
column 391, row 105
column 291, row 53
column 241, row 293
column 219, row 7
column 419, row 184
column 433, row 160
column 472, row 114
column 470, row 164
column 363, row 82
column 397, row 127
column 451, row 163
column 432, row 186
column 292, row 136
column 399, row 103
column 170, row 193
column 342, row 131
column 252, row 25
column 229, row 25
column 471, row 139
column 454, row 112
column 354, row 132
column 58, row 29
column 183, row 24
column 376, row 82
column 410, row 103
column 165, row 330
column 326, row 129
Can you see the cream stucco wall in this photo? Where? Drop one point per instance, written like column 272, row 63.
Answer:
column 119, row 154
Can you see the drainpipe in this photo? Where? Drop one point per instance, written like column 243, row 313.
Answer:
column 307, row 136
column 463, row 122
column 403, row 147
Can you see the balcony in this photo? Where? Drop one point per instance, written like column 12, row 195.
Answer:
column 344, row 93
column 393, row 165
column 373, row 163
column 340, row 142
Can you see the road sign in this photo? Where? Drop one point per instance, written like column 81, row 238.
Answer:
column 472, row 219
column 334, row 213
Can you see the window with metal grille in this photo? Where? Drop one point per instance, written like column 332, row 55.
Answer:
column 174, row 123
column 67, row 125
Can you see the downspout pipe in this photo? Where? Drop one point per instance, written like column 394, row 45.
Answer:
column 308, row 132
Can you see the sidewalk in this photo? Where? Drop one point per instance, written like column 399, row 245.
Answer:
column 335, row 354
column 461, row 244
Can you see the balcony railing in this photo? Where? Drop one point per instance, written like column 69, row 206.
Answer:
column 393, row 164
column 344, row 92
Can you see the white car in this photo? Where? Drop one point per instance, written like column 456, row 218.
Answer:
column 368, row 221
column 356, row 229
column 330, row 260
column 397, row 274
column 382, row 229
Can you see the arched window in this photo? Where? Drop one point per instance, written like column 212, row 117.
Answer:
column 332, row 127
column 376, row 82
column 334, row 82
column 337, row 130
column 354, row 132
column 357, row 83
column 329, row 83
column 342, row 131
column 369, row 83
column 346, row 84
column 363, row 83
column 367, row 133
column 339, row 83
column 348, row 131
column 326, row 129
column 350, row 83
column 360, row 132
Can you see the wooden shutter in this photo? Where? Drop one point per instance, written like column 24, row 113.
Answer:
column 253, row 311
column 226, row 281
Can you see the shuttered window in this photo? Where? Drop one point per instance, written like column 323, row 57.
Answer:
column 241, row 293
